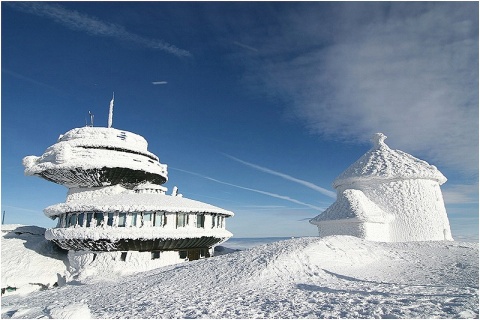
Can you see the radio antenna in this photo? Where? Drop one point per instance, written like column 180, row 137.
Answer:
column 110, row 112
column 91, row 118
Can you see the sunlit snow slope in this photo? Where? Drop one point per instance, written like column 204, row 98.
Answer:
column 338, row 276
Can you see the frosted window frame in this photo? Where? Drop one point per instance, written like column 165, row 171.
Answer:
column 201, row 220
column 98, row 222
column 88, row 223
column 82, row 215
column 181, row 222
column 122, row 219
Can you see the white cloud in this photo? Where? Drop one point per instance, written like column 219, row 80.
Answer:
column 307, row 184
column 409, row 70
column 159, row 82
column 81, row 22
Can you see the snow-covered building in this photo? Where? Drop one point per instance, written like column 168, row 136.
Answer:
column 387, row 195
column 116, row 207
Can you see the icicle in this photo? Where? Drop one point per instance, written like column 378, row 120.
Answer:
column 110, row 112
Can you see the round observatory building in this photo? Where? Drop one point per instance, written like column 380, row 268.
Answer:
column 387, row 195
column 116, row 207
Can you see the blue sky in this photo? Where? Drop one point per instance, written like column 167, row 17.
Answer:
column 256, row 107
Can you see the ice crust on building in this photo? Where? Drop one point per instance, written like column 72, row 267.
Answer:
column 387, row 195
column 116, row 203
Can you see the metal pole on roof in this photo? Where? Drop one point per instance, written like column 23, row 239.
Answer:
column 110, row 112
column 3, row 216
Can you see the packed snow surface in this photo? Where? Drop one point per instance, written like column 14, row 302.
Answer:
column 332, row 277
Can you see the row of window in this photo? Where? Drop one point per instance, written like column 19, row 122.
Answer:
column 135, row 219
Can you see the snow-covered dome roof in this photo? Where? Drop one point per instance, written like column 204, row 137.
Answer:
column 383, row 163
column 96, row 156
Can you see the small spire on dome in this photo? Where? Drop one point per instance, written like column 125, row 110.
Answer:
column 378, row 139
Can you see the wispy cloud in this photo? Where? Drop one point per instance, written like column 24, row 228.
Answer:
column 464, row 194
column 30, row 80
column 307, row 184
column 270, row 194
column 245, row 46
column 408, row 69
column 159, row 82
column 82, row 22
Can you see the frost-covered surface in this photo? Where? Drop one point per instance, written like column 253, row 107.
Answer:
column 333, row 277
column 353, row 204
column 387, row 195
column 381, row 162
column 114, row 233
column 129, row 201
column 108, row 266
column 94, row 148
column 29, row 262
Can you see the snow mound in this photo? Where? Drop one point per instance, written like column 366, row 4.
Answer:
column 332, row 277
column 29, row 261
column 72, row 311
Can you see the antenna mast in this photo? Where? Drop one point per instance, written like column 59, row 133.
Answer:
column 91, row 118
column 110, row 112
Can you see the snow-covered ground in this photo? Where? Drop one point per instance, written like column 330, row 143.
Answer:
column 29, row 261
column 332, row 277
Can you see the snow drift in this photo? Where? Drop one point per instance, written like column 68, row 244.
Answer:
column 29, row 261
column 332, row 277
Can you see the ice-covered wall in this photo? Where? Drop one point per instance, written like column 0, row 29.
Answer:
column 416, row 204
column 111, row 265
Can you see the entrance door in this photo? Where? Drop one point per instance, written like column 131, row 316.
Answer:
column 193, row 254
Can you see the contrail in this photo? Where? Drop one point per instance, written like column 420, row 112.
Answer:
column 274, row 195
column 81, row 22
column 307, row 184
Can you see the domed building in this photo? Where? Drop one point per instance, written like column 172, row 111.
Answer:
column 116, row 207
column 387, row 195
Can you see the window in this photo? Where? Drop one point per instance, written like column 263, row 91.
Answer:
column 59, row 223
column 134, row 219
column 98, row 218
column 155, row 255
column 158, row 219
column 89, row 218
column 123, row 256
column 110, row 219
column 122, row 217
column 183, row 254
column 202, row 253
column 80, row 218
column 147, row 219
column 181, row 219
column 213, row 221
column 221, row 221
column 72, row 220
column 201, row 221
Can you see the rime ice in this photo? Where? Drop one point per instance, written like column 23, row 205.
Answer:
column 117, row 210
column 387, row 195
